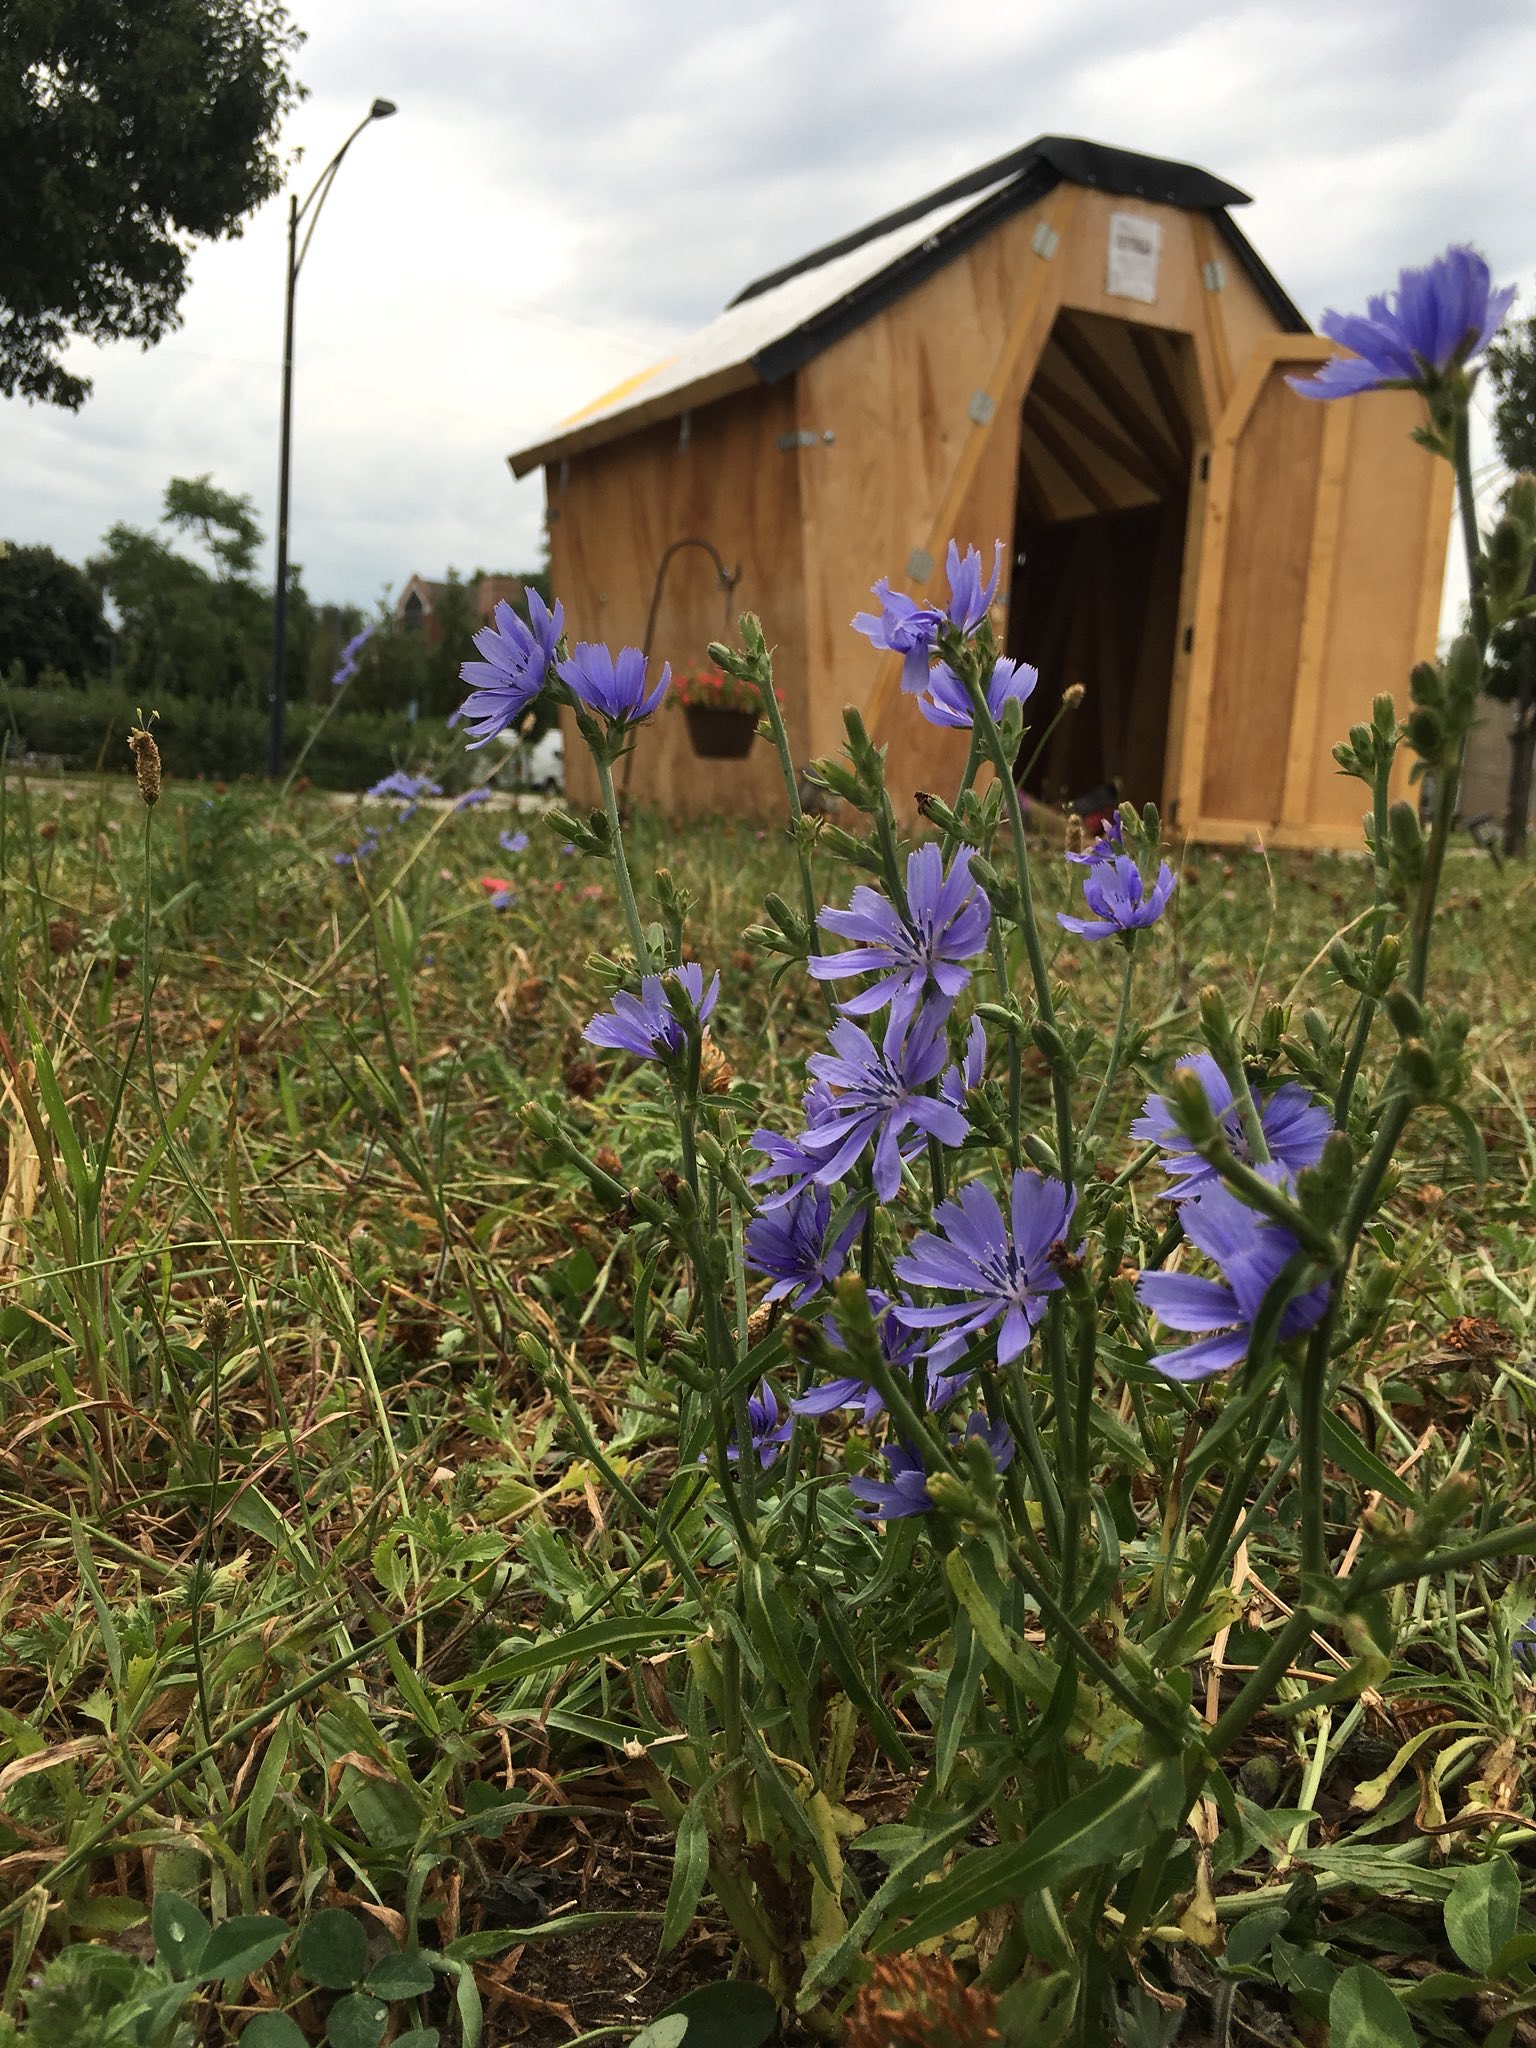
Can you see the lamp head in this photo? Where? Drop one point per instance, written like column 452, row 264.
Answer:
column 381, row 110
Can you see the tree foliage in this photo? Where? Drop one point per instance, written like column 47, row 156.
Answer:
column 50, row 615
column 128, row 134
column 1512, row 365
column 1512, row 667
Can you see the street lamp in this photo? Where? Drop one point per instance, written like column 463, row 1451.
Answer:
column 318, row 194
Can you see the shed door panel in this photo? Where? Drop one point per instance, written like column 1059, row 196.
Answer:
column 1321, row 564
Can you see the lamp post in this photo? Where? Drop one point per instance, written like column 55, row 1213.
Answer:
column 318, row 193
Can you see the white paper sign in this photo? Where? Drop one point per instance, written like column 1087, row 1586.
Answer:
column 1135, row 249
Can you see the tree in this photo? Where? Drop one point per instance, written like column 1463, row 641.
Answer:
column 50, row 615
column 186, row 631
column 128, row 134
column 1512, row 365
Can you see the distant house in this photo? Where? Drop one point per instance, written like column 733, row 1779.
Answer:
column 417, row 608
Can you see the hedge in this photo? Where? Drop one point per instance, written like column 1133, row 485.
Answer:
column 88, row 728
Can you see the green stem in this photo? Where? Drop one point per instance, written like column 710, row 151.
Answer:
column 1117, row 1046
column 992, row 745
column 1259, row 1687
column 773, row 711
column 1314, row 1401
column 1450, row 779
column 620, row 863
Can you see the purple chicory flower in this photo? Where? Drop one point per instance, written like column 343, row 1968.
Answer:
column 787, row 1158
column 906, row 1491
column 950, row 919
column 946, row 701
column 904, row 1350
column 997, row 1273
column 646, row 1025
column 513, row 842
column 1439, row 320
column 612, row 684
column 1115, row 891
column 346, row 668
column 1250, row 1252
column 969, row 598
column 770, row 1428
column 877, row 1097
column 788, row 1243
column 514, row 669
column 400, row 787
column 1110, row 845
column 1295, row 1126
column 472, row 797
column 904, row 627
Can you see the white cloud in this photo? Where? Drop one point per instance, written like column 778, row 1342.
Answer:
column 566, row 190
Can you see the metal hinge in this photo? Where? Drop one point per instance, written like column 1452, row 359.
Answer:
column 807, row 437
column 981, row 408
column 1045, row 241
column 1189, row 639
column 1214, row 273
column 1205, row 468
column 919, row 565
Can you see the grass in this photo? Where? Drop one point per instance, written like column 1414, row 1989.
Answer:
column 326, row 1455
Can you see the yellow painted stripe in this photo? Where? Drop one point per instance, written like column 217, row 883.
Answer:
column 630, row 384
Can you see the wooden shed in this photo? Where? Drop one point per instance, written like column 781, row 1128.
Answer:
column 1075, row 350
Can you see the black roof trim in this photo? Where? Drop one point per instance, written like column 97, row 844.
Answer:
column 783, row 357
column 1122, row 171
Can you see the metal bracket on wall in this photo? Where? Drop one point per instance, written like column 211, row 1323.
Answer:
column 1214, row 273
column 981, row 408
column 1045, row 241
column 684, row 431
column 806, row 437
column 919, row 565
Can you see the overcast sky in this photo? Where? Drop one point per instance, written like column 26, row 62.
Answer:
column 567, row 189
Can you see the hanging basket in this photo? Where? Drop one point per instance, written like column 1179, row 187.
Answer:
column 718, row 735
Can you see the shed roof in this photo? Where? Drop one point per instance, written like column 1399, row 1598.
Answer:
column 781, row 320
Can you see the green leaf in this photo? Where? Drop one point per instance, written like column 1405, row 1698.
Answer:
column 240, row 1946
column 180, row 1931
column 272, row 2030
column 1346, row 1449
column 1108, row 1821
column 356, row 2021
column 1364, row 2012
column 332, row 1950
column 466, row 1997
column 400, row 1976
column 663, row 2033
column 1482, row 1911
column 690, row 1872
column 418, row 2037
column 576, row 1646
column 727, row 2015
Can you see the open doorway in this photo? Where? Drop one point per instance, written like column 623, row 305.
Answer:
column 1106, row 443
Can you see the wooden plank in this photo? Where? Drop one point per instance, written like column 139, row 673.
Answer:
column 1100, row 495
column 1120, row 404
column 1174, row 416
column 1146, row 471
column 1175, row 794
column 1307, row 704
column 1036, row 305
column 1212, row 310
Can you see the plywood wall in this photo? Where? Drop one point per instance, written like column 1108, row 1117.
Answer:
column 613, row 513
column 910, row 465
column 1321, row 563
